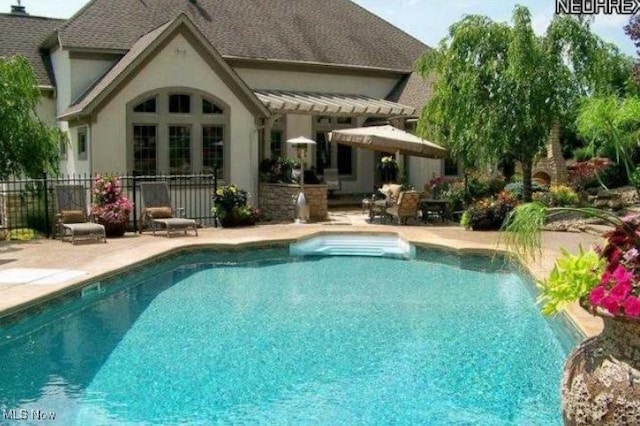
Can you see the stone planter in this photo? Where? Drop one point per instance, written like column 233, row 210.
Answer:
column 276, row 201
column 113, row 230
column 601, row 380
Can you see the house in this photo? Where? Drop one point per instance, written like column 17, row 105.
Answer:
column 183, row 86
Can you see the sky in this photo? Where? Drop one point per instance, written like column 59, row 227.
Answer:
column 427, row 20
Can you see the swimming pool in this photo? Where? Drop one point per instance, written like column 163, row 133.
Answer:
column 261, row 337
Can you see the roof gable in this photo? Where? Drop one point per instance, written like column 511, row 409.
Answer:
column 325, row 32
column 146, row 48
column 22, row 35
column 412, row 90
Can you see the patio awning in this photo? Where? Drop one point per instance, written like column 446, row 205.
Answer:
column 326, row 103
column 388, row 139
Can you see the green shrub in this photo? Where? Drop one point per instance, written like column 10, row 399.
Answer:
column 232, row 209
column 573, row 275
column 490, row 213
column 584, row 153
column 22, row 234
column 563, row 196
column 481, row 186
column 455, row 194
column 516, row 189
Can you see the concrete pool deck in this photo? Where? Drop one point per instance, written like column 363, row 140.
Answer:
column 36, row 271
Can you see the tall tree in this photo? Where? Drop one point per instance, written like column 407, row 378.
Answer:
column 28, row 145
column 500, row 89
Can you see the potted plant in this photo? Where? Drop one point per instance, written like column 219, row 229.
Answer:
column 296, row 168
column 110, row 207
column 601, row 380
column 388, row 169
column 230, row 206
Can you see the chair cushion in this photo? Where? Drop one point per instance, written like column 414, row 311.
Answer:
column 72, row 216
column 395, row 191
column 386, row 191
column 160, row 212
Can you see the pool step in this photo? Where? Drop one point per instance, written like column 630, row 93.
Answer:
column 354, row 245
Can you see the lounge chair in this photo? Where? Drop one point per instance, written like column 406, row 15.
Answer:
column 406, row 208
column 72, row 218
column 158, row 210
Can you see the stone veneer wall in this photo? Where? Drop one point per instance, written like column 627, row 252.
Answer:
column 276, row 201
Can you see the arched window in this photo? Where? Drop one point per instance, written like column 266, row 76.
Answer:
column 178, row 131
column 148, row 106
column 209, row 107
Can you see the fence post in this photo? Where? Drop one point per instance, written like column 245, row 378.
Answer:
column 135, row 203
column 215, row 194
column 47, row 223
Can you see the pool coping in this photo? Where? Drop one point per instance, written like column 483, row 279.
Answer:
column 583, row 322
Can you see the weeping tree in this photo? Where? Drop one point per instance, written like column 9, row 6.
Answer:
column 28, row 145
column 500, row 89
column 612, row 124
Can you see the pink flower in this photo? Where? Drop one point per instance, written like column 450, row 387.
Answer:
column 597, row 295
column 620, row 292
column 611, row 304
column 606, row 277
column 632, row 307
column 622, row 276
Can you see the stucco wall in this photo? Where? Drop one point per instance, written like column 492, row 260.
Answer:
column 421, row 170
column 177, row 65
column 85, row 72
column 46, row 109
column 317, row 82
column 62, row 70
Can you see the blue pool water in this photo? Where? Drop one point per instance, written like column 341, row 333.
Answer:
column 259, row 337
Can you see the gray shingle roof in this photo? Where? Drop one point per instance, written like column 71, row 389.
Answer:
column 22, row 35
column 413, row 91
column 318, row 31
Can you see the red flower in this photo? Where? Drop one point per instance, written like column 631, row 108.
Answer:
column 597, row 296
column 622, row 276
column 632, row 307
column 620, row 292
column 611, row 304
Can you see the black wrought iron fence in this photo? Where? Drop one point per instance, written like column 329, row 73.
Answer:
column 31, row 204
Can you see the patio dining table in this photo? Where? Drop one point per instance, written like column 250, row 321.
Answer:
column 377, row 208
column 431, row 206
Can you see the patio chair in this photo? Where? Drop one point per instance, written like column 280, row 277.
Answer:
column 406, row 208
column 72, row 219
column 158, row 210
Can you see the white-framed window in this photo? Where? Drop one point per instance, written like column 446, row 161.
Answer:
column 145, row 149
column 180, row 104
column 178, row 131
column 180, row 150
column 83, row 144
column 213, row 149
column 149, row 106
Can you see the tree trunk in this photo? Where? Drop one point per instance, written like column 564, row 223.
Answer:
column 527, row 167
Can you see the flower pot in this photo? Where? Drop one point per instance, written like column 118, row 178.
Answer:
column 601, row 380
column 114, row 230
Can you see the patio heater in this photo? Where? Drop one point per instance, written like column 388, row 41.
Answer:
column 302, row 209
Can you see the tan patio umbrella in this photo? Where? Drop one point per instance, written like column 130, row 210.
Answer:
column 388, row 139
